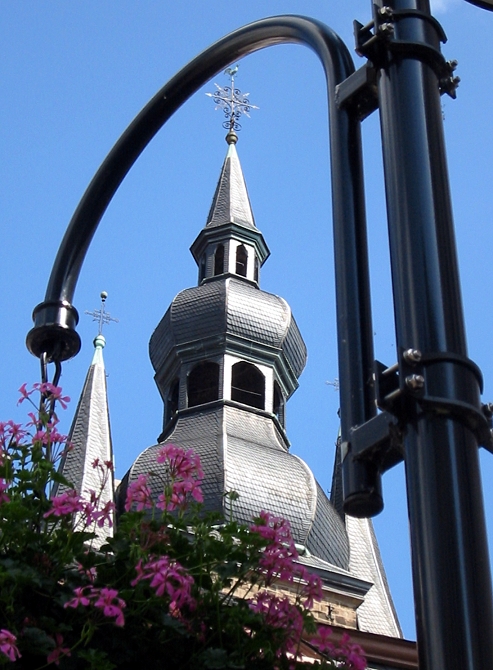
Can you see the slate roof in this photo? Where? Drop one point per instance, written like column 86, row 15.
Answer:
column 241, row 451
column 377, row 613
column 90, row 435
column 234, row 308
column 231, row 203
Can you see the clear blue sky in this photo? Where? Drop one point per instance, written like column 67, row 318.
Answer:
column 74, row 74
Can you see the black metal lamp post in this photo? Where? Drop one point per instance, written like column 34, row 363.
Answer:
column 430, row 407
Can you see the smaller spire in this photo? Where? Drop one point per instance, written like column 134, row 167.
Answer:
column 90, row 434
column 234, row 103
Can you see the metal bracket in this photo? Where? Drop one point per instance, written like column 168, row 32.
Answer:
column 359, row 92
column 379, row 39
column 410, row 387
column 418, row 377
column 379, row 440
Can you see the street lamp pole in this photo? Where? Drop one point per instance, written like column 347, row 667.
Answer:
column 452, row 583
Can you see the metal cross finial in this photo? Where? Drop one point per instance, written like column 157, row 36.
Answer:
column 334, row 383
column 232, row 101
column 101, row 314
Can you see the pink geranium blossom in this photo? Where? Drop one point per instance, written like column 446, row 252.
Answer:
column 184, row 475
column 47, row 389
column 168, row 578
column 3, row 487
column 80, row 598
column 108, row 601
column 104, row 599
column 8, row 646
column 280, row 613
column 138, row 494
column 66, row 503
column 349, row 655
column 104, row 515
column 59, row 651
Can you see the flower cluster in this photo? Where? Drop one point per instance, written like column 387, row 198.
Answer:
column 103, row 599
column 347, row 653
column 91, row 511
column 7, row 645
column 168, row 578
column 278, row 560
column 183, row 477
column 171, row 581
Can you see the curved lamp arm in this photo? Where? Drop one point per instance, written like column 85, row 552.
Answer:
column 54, row 337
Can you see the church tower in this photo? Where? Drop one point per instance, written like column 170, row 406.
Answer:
column 227, row 356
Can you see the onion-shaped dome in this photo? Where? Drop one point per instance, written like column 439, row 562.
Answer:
column 229, row 314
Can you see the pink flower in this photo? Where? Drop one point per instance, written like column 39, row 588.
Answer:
column 14, row 430
column 8, row 646
column 104, row 599
column 66, row 503
column 139, row 493
column 168, row 578
column 58, row 651
column 280, row 613
column 3, row 487
column 24, row 393
column 184, row 474
column 90, row 573
column 106, row 514
column 80, row 599
column 312, row 589
column 54, row 391
column 108, row 601
column 350, row 656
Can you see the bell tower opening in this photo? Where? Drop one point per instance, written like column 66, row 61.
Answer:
column 248, row 385
column 241, row 261
column 203, row 383
column 219, row 260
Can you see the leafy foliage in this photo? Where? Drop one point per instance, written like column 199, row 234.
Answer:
column 168, row 586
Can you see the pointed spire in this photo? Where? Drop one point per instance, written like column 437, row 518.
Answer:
column 231, row 203
column 90, row 437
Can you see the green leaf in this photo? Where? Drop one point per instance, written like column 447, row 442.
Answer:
column 97, row 660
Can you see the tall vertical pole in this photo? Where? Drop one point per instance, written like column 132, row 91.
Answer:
column 451, row 575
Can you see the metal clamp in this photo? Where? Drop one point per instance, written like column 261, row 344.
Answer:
column 379, row 39
column 414, row 385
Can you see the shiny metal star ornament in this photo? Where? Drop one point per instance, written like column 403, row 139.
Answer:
column 232, row 101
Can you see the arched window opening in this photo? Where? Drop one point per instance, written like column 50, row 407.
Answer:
column 202, row 268
column 219, row 260
column 172, row 399
column 255, row 269
column 241, row 261
column 278, row 403
column 203, row 384
column 248, row 385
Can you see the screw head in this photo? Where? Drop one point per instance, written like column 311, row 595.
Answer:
column 385, row 11
column 412, row 356
column 386, row 29
column 415, row 382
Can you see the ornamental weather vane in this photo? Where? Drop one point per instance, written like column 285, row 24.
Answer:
column 101, row 314
column 232, row 101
